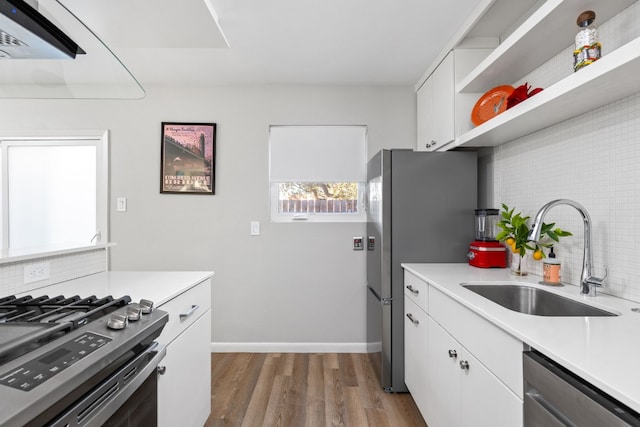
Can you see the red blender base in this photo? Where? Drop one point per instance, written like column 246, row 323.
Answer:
column 489, row 254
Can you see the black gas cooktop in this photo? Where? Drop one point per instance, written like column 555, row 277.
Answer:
column 27, row 323
column 58, row 352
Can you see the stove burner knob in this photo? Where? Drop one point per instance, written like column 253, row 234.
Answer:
column 117, row 321
column 146, row 306
column 133, row 312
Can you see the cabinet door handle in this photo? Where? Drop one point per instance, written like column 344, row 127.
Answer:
column 161, row 370
column 413, row 291
column 464, row 365
column 453, row 354
column 189, row 313
column 413, row 319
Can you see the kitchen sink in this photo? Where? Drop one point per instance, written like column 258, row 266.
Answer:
column 534, row 301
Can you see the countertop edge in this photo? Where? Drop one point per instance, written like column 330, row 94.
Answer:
column 157, row 286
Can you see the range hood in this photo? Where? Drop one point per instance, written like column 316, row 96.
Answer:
column 49, row 34
column 27, row 34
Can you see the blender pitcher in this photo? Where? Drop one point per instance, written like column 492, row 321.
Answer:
column 486, row 225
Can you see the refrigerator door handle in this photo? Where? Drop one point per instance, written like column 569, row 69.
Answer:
column 383, row 301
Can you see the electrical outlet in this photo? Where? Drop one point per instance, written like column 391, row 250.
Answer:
column 36, row 272
column 358, row 244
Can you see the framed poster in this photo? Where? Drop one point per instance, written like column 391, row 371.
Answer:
column 188, row 158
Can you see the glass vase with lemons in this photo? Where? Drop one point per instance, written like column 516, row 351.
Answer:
column 515, row 235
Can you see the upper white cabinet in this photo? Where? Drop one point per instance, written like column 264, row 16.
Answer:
column 436, row 107
column 528, row 33
column 443, row 114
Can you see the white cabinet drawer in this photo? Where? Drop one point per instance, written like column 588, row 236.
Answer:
column 417, row 290
column 500, row 352
column 185, row 309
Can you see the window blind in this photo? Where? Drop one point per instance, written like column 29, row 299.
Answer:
column 317, row 153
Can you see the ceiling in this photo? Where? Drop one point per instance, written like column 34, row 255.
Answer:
column 236, row 42
column 341, row 42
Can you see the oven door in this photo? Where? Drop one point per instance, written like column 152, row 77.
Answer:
column 126, row 398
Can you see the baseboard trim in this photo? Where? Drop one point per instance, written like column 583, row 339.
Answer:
column 287, row 347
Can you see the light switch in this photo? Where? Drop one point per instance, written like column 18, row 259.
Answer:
column 121, row 204
column 255, row 228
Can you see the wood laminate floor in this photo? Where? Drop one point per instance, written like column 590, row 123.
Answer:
column 304, row 390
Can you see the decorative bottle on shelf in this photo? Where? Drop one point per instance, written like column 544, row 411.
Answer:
column 588, row 47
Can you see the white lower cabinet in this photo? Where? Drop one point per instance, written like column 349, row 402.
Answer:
column 460, row 369
column 184, row 387
column 445, row 405
column 415, row 353
column 184, row 391
column 463, row 392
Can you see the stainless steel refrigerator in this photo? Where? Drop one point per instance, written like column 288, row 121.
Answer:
column 420, row 208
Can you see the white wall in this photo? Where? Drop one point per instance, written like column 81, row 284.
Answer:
column 296, row 283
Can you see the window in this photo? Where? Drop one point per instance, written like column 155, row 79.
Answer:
column 317, row 173
column 54, row 192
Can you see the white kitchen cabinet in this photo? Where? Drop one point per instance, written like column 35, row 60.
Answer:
column 499, row 351
column 415, row 353
column 442, row 113
column 424, row 106
column 530, row 33
column 184, row 389
column 463, row 392
column 473, row 368
column 435, row 107
column 417, row 290
column 445, row 383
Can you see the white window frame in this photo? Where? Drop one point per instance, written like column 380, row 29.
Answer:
column 360, row 216
column 98, row 139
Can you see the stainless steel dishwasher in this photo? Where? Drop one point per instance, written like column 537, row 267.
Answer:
column 556, row 397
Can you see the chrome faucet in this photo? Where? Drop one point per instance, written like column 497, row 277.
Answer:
column 588, row 283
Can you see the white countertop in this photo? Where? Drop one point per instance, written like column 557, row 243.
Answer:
column 602, row 350
column 157, row 286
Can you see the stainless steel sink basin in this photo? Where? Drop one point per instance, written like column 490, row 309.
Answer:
column 538, row 302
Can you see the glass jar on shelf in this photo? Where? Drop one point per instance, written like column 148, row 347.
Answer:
column 588, row 47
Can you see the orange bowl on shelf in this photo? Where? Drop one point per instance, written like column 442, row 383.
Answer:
column 491, row 104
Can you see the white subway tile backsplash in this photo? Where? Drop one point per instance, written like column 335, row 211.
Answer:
column 61, row 268
column 592, row 159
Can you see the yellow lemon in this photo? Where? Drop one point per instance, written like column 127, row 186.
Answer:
column 537, row 255
column 510, row 241
column 514, row 249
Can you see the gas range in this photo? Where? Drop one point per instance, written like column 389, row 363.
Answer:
column 56, row 352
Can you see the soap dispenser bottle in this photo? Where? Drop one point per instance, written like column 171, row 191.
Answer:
column 551, row 269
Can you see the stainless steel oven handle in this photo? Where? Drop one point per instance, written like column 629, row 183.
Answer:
column 101, row 403
column 189, row 313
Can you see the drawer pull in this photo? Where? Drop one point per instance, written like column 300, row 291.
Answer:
column 413, row 319
column 453, row 354
column 413, row 291
column 189, row 313
column 464, row 365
